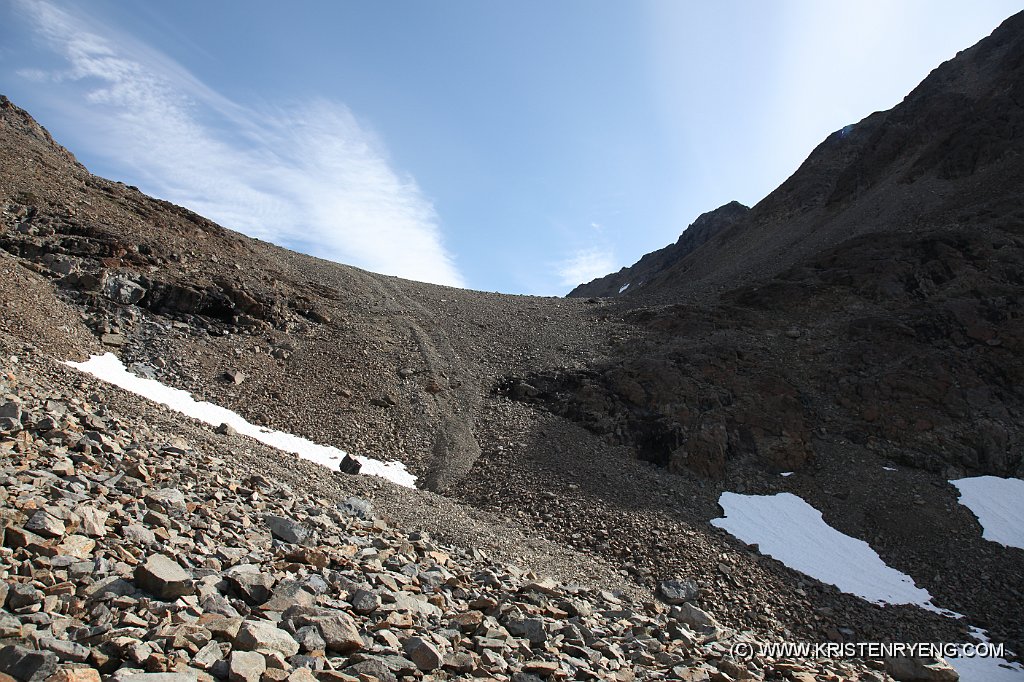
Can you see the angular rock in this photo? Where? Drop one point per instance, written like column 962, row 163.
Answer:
column 287, row 530
column 21, row 595
column 678, row 591
column 66, row 651
column 246, row 666
column 249, row 583
column 364, row 602
column 27, row 665
column 262, row 634
column 357, row 507
column 11, row 410
column 123, row 290
column 9, row 625
column 163, row 578
column 424, row 654
column 921, row 670
column 350, row 465
column 128, row 675
column 79, row 674
column 77, row 546
column 44, row 524
column 139, row 535
column 337, row 628
column 166, row 499
column 694, row 617
column 208, row 656
column 286, row 595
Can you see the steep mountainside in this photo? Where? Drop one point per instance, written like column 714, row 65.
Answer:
column 863, row 326
column 946, row 156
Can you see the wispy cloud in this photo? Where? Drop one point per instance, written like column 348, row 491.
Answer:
column 309, row 176
column 585, row 265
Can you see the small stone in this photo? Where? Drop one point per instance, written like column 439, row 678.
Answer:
column 66, row 651
column 77, row 546
column 163, row 578
column 364, row 602
column 21, row 595
column 45, row 524
column 11, row 410
column 139, row 535
column 678, row 591
column 75, row 675
column 357, row 507
column 113, row 340
column 236, row 377
column 246, row 666
column 921, row 670
column 694, row 617
column 94, row 521
column 350, row 465
column 262, row 634
column 287, row 530
column 424, row 654
column 27, row 665
column 226, row 429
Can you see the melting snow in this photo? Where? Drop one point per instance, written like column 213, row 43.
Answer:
column 109, row 368
column 792, row 531
column 999, row 505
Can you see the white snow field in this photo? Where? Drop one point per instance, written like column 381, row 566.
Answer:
column 987, row 670
column 999, row 505
column 109, row 368
column 785, row 527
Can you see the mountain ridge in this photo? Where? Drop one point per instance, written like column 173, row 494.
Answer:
column 961, row 121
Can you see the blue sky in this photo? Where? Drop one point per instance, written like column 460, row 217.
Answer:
column 521, row 147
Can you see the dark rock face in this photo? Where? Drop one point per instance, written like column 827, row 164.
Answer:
column 876, row 294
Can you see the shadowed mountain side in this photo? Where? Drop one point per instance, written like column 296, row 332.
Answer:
column 950, row 152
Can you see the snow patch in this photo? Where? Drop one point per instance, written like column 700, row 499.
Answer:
column 986, row 669
column 786, row 474
column 889, row 468
column 109, row 368
column 623, row 287
column 999, row 505
column 787, row 528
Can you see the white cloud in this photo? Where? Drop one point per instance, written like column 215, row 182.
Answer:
column 308, row 176
column 585, row 265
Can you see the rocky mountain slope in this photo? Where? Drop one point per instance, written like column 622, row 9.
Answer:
column 866, row 314
column 946, row 158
